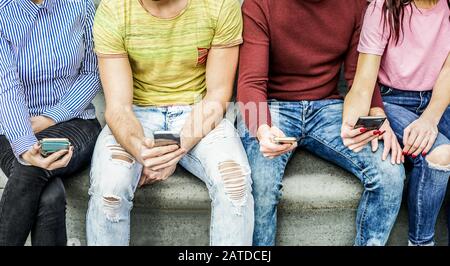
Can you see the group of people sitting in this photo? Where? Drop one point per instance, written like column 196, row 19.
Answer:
column 170, row 65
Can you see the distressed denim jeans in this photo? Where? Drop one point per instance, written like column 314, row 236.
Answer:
column 219, row 160
column 428, row 183
column 317, row 126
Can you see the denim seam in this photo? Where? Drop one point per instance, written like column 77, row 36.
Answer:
column 419, row 200
column 363, row 218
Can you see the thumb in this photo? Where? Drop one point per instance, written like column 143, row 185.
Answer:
column 277, row 132
column 149, row 143
column 35, row 149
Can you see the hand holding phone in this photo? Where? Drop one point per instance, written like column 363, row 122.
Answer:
column 49, row 146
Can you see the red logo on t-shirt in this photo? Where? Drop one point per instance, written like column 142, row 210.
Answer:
column 202, row 56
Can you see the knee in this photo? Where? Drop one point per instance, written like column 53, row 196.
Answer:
column 29, row 174
column 53, row 198
column 236, row 181
column 390, row 179
column 439, row 158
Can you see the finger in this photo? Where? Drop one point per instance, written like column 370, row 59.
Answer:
column 278, row 153
column 162, row 160
column 61, row 163
column 422, row 146
column 350, row 132
column 169, row 163
column 277, row 132
column 158, row 151
column 409, row 136
column 400, row 157
column 430, row 144
column 142, row 180
column 374, row 144
column 358, row 145
column 416, row 145
column 270, row 147
column 54, row 157
column 387, row 148
column 149, row 143
column 361, row 138
column 35, row 150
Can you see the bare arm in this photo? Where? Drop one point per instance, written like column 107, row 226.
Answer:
column 117, row 81
column 420, row 136
column 220, row 74
column 441, row 95
column 357, row 102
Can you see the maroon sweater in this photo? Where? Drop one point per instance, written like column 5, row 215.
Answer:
column 293, row 50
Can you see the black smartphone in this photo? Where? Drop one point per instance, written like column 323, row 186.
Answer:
column 166, row 138
column 370, row 122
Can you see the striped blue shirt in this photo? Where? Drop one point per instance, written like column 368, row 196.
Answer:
column 47, row 65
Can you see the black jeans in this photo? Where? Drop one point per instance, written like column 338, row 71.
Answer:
column 34, row 199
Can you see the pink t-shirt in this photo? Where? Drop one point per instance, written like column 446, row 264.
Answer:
column 415, row 63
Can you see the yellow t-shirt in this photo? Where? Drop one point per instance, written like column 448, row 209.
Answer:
column 167, row 56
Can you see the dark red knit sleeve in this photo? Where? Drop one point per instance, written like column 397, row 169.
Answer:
column 254, row 65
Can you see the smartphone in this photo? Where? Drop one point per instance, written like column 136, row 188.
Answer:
column 165, row 138
column 52, row 145
column 370, row 122
column 284, row 140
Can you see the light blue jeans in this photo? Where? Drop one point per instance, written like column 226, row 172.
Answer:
column 219, row 160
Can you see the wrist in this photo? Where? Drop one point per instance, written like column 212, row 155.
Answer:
column 435, row 119
column 377, row 111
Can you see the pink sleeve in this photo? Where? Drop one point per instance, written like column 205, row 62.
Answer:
column 374, row 36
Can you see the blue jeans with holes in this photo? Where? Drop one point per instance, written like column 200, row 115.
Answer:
column 427, row 185
column 219, row 160
column 317, row 126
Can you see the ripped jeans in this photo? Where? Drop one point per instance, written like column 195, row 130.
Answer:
column 428, row 181
column 219, row 160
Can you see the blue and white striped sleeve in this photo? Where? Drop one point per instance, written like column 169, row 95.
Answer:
column 87, row 85
column 13, row 108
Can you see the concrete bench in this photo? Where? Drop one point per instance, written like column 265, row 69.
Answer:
column 318, row 207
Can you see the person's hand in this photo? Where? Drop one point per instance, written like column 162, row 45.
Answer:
column 357, row 139
column 158, row 158
column 41, row 123
column 149, row 176
column 268, row 147
column 54, row 161
column 419, row 137
column 391, row 144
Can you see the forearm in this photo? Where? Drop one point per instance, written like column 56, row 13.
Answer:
column 205, row 116
column 439, row 103
column 356, row 104
column 126, row 129
column 358, row 100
